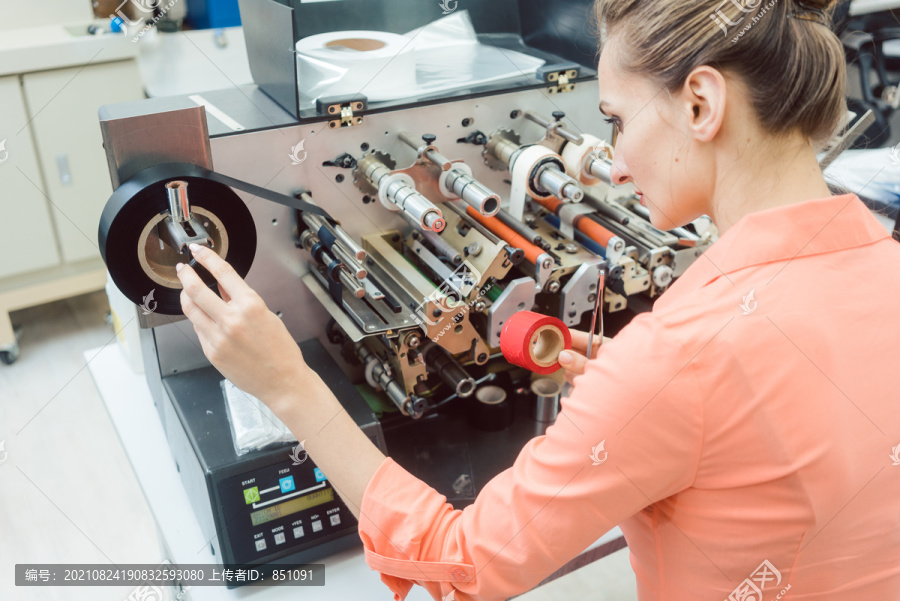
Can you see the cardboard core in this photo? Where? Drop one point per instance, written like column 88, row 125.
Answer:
column 358, row 44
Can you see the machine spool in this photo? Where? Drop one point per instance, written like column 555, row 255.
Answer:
column 140, row 262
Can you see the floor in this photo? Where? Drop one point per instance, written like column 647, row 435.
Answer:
column 68, row 493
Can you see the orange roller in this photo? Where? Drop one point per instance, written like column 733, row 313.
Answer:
column 505, row 232
column 588, row 227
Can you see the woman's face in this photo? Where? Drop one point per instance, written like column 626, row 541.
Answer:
column 655, row 147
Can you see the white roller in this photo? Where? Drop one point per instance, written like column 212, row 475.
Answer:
column 575, row 157
column 521, row 171
column 341, row 63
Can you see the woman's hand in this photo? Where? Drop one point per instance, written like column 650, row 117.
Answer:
column 245, row 341
column 574, row 361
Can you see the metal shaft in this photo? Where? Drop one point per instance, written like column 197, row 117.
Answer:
column 522, row 229
column 601, row 168
column 340, row 233
column 473, row 192
column 554, row 126
column 407, row 198
column 412, row 406
column 559, row 184
column 450, row 371
column 179, row 205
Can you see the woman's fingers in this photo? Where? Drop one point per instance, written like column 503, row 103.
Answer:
column 573, row 362
column 580, row 340
column 203, row 323
column 199, row 293
column 230, row 283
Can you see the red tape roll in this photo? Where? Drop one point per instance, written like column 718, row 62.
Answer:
column 533, row 341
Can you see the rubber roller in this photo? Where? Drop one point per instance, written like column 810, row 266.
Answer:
column 534, row 254
column 587, row 226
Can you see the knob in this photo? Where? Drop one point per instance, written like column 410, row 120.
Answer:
column 429, row 138
column 558, row 115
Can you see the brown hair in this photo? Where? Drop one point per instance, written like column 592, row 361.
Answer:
column 784, row 50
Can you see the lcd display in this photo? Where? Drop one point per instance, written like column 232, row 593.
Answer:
column 293, row 506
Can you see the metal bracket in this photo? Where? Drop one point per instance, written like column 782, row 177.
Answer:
column 564, row 81
column 518, row 296
column 343, row 110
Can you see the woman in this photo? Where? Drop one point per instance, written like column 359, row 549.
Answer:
column 748, row 421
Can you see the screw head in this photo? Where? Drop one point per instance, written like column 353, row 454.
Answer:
column 429, row 138
column 559, row 115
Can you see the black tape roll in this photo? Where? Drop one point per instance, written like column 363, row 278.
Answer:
column 143, row 199
column 490, row 409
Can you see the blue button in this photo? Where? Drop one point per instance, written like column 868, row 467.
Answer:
column 319, row 475
column 287, row 484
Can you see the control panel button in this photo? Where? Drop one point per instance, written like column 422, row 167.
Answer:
column 298, row 532
column 317, row 526
column 287, row 484
column 335, row 519
column 251, row 495
column 279, row 538
column 319, row 475
column 260, row 544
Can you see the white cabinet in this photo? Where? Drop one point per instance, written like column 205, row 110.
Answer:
column 27, row 239
column 63, row 104
column 54, row 180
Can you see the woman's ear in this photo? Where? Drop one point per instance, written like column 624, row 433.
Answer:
column 704, row 97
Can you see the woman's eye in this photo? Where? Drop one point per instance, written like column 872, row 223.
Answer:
column 616, row 122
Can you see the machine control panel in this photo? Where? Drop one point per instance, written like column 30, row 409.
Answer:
column 279, row 507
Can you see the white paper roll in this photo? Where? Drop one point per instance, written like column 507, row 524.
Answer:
column 527, row 158
column 574, row 156
column 378, row 64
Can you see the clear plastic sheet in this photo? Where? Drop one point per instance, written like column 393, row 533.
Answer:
column 253, row 425
column 448, row 57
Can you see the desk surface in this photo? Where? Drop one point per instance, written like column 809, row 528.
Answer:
column 130, row 407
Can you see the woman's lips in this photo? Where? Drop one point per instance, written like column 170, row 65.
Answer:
column 640, row 196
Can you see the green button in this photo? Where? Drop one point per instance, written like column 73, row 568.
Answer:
column 251, row 495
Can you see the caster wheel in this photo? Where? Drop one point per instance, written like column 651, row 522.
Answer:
column 8, row 357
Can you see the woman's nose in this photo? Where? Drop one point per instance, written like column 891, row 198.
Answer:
column 618, row 173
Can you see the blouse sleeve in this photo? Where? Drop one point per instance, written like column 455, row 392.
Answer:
column 629, row 435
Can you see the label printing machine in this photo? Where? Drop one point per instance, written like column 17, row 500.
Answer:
column 394, row 238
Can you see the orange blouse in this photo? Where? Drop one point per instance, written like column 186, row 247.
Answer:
column 745, row 435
